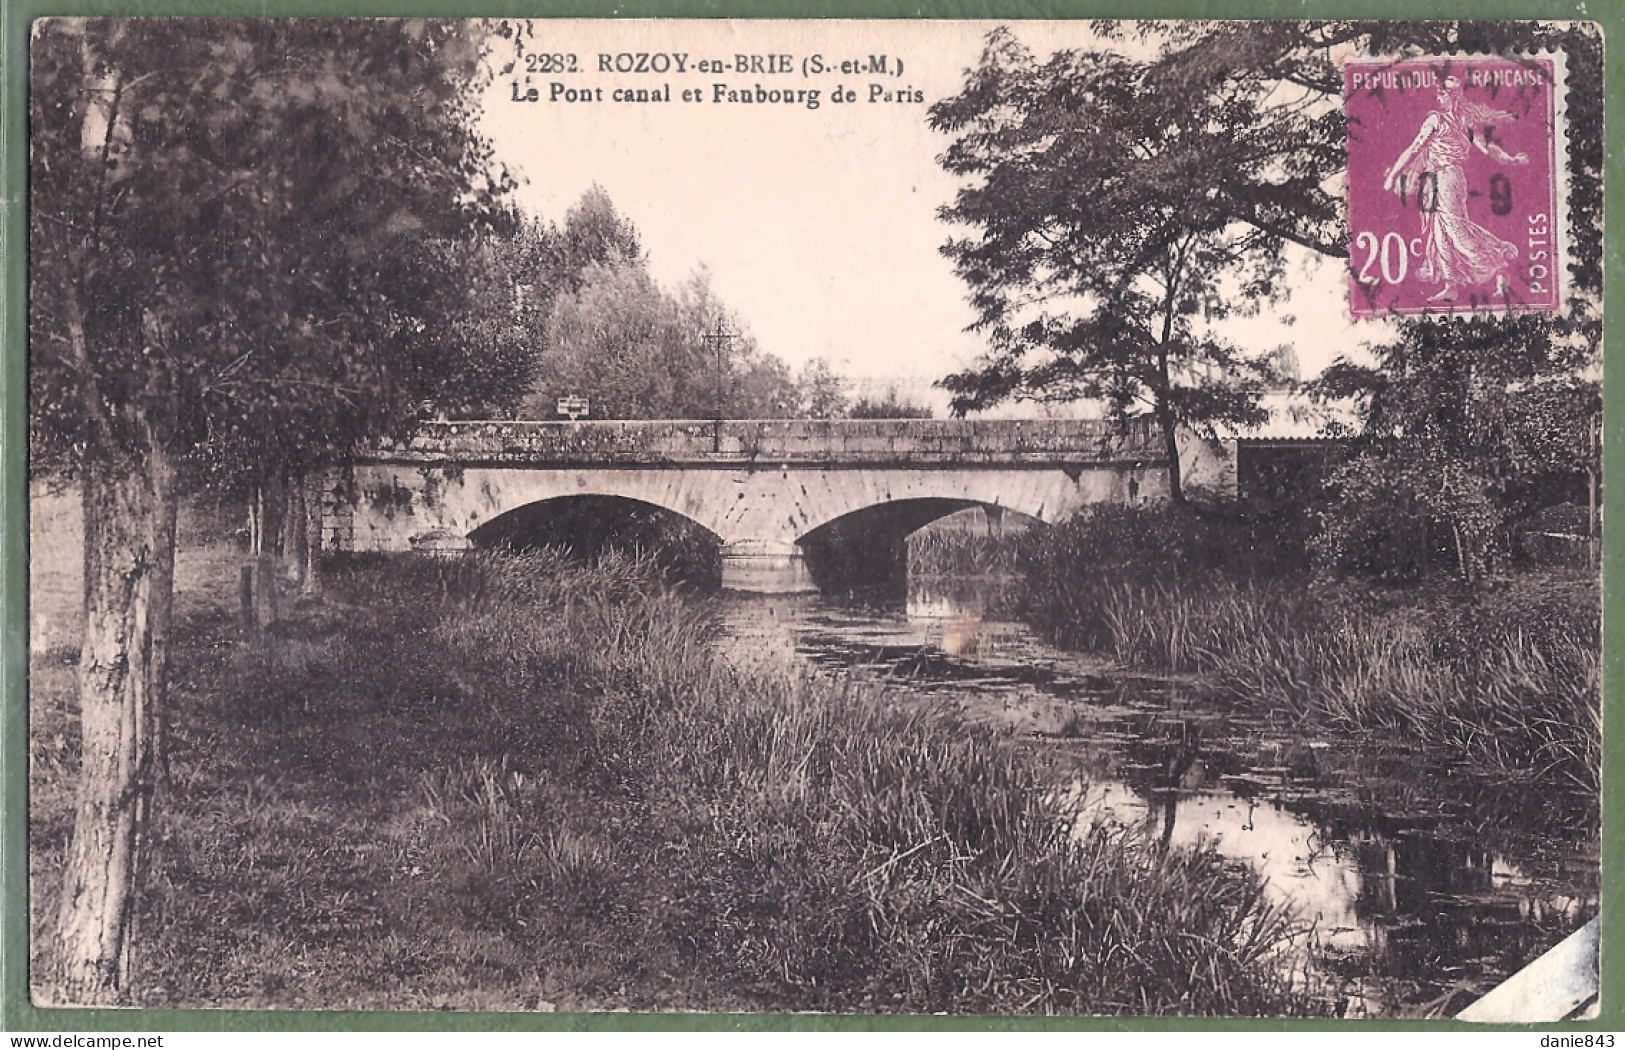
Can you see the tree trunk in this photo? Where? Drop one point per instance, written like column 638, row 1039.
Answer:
column 1425, row 546
column 291, row 549
column 129, row 512
column 301, row 534
column 1163, row 410
column 257, row 596
column 311, row 540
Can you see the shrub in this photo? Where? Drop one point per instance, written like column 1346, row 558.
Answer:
column 1504, row 674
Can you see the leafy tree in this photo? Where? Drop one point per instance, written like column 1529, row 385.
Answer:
column 618, row 340
column 516, row 276
column 519, row 275
column 1465, row 432
column 475, row 362
column 1115, row 221
column 755, row 384
column 600, row 325
column 762, row 387
column 640, row 352
column 240, row 234
column 635, row 350
column 594, row 232
column 1230, row 137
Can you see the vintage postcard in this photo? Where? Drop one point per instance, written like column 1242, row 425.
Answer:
column 915, row 517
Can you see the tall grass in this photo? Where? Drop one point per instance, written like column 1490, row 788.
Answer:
column 508, row 781
column 963, row 552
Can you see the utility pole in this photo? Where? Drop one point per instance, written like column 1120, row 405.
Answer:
column 720, row 340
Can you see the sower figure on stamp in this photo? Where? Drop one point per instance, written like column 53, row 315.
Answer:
column 1456, row 251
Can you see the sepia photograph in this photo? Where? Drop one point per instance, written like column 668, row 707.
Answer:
column 916, row 517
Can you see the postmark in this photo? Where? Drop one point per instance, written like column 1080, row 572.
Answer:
column 1455, row 185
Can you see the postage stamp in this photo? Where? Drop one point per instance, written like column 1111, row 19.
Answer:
column 1454, row 185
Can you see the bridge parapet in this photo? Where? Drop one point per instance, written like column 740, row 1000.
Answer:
column 764, row 488
column 917, row 442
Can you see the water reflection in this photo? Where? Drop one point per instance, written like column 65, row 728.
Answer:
column 1299, row 868
column 1425, row 886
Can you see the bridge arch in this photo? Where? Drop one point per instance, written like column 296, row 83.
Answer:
column 1046, row 496
column 588, row 524
column 870, row 545
column 511, row 525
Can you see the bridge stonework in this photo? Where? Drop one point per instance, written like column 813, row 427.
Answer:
column 762, row 486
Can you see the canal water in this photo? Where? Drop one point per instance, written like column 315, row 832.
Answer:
column 1422, row 886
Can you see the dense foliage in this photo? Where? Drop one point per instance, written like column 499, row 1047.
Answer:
column 596, row 324
column 241, row 231
column 889, row 405
column 1067, row 565
column 1466, row 433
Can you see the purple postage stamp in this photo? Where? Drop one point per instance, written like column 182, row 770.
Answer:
column 1455, row 185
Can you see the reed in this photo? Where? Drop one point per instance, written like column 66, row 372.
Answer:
column 963, row 552
column 824, row 851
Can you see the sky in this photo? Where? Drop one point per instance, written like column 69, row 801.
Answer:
column 818, row 225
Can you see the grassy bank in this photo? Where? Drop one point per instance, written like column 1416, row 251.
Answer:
column 508, row 783
column 1505, row 676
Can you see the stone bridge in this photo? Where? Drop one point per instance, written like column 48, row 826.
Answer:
column 768, row 489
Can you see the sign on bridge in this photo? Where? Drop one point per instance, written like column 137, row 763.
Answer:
column 573, row 406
